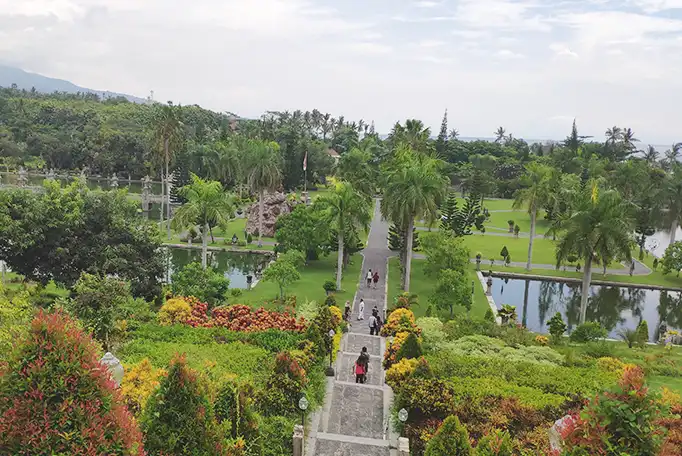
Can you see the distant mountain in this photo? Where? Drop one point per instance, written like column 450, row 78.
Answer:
column 25, row 80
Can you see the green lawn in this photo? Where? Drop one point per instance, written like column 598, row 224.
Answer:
column 13, row 284
column 521, row 218
column 309, row 288
column 423, row 286
column 491, row 246
column 494, row 205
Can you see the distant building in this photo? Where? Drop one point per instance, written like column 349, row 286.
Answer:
column 333, row 154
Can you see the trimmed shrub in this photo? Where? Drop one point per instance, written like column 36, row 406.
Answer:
column 139, row 382
column 236, row 292
column 283, row 389
column 588, row 332
column 643, row 332
column 432, row 332
column 557, row 327
column 496, row 443
column 410, row 349
column 175, row 310
column 429, row 311
column 451, row 439
column 249, row 238
column 337, row 316
column 398, row 321
column 57, row 399
column 330, row 301
column 489, row 315
column 329, row 286
column 179, row 419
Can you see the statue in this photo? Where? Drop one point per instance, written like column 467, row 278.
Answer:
column 51, row 174
column 113, row 181
column 146, row 193
column 23, row 177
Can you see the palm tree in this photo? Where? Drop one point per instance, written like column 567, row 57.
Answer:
column 614, row 135
column 671, row 156
column 629, row 138
column 414, row 187
column 598, row 229
column 347, row 209
column 673, row 197
column 167, row 133
column 453, row 135
column 264, row 165
column 500, row 134
column 207, row 205
column 354, row 167
column 651, row 155
column 533, row 195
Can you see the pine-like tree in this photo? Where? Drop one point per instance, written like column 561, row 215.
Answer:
column 449, row 213
column 442, row 141
column 180, row 177
column 451, row 439
column 460, row 220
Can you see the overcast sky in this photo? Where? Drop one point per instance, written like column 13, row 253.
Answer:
column 529, row 65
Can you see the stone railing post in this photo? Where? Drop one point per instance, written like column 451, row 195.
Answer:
column 403, row 446
column 298, row 440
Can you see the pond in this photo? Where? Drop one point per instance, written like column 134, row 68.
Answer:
column 614, row 307
column 234, row 265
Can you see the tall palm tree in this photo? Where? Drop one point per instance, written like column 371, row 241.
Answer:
column 535, row 181
column 454, row 134
column 167, row 132
column 354, row 167
column 629, row 138
column 614, row 135
column 599, row 228
column 347, row 209
column 414, row 187
column 651, row 155
column 673, row 199
column 672, row 155
column 207, row 205
column 500, row 134
column 264, row 168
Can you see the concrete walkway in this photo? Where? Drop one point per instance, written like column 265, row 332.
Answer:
column 355, row 418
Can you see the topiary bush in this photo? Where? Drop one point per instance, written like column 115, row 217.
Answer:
column 179, row 418
column 588, row 332
column 643, row 332
column 557, row 327
column 330, row 301
column 175, row 310
column 57, row 399
column 496, row 443
column 329, row 286
column 410, row 349
column 451, row 439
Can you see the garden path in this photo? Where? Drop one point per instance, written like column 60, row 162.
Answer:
column 355, row 418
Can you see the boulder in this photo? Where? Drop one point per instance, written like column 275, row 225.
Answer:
column 276, row 205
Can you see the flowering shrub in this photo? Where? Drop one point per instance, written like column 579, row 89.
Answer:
column 139, row 382
column 398, row 321
column 56, row 397
column 400, row 372
column 175, row 310
column 179, row 417
column 542, row 340
column 392, row 348
column 620, row 421
column 242, row 318
column 283, row 389
column 337, row 316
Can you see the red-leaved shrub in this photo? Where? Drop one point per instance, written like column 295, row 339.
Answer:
column 239, row 317
column 56, row 397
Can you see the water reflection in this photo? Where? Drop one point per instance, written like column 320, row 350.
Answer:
column 613, row 307
column 235, row 266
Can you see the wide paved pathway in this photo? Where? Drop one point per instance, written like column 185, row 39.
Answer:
column 355, row 418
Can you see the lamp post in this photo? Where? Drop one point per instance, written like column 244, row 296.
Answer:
column 402, row 417
column 303, row 405
column 330, row 369
column 114, row 366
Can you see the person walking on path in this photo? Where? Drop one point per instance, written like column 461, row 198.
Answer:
column 346, row 312
column 361, row 310
column 373, row 325
column 364, row 356
column 375, row 278
column 359, row 370
column 369, row 278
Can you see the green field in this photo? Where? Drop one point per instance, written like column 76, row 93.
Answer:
column 491, row 246
column 521, row 218
column 422, row 286
column 309, row 288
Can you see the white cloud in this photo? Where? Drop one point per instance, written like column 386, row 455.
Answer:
column 562, row 50
column 508, row 54
column 426, row 4
column 368, row 47
column 501, row 14
column 430, row 43
column 654, row 6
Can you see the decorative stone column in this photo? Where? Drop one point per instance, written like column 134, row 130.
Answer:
column 403, row 446
column 23, row 177
column 298, row 440
column 146, row 194
column 113, row 181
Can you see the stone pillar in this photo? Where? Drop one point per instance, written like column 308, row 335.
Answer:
column 23, row 177
column 298, row 440
column 403, row 446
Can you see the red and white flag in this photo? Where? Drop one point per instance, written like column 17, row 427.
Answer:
column 305, row 161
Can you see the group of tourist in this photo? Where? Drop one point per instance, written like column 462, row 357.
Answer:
column 361, row 367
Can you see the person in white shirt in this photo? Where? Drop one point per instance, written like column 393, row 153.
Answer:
column 369, row 278
column 361, row 310
column 373, row 325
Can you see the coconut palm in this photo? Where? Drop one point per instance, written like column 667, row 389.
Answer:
column 650, row 155
column 614, row 135
column 534, row 195
column 264, row 173
column 414, row 187
column 354, row 167
column 453, row 135
column 598, row 229
column 500, row 134
column 207, row 205
column 673, row 200
column 167, row 132
column 672, row 155
column 629, row 139
column 347, row 209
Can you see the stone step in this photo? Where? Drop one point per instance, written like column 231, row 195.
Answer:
column 341, row 445
column 355, row 342
column 356, row 411
column 346, row 363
